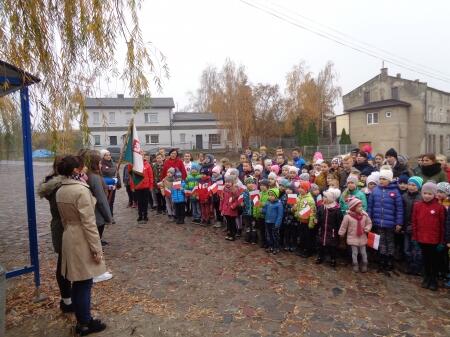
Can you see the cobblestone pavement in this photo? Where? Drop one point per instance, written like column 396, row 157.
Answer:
column 186, row 280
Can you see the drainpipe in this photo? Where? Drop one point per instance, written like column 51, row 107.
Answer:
column 170, row 126
column 2, row 301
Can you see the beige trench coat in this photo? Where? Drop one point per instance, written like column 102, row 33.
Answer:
column 80, row 238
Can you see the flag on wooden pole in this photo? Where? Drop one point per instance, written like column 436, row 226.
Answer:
column 133, row 154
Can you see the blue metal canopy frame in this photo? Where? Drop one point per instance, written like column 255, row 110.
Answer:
column 11, row 80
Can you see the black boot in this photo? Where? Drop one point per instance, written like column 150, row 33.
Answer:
column 390, row 263
column 94, row 325
column 426, row 282
column 433, row 285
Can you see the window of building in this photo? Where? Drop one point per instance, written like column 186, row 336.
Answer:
column 433, row 143
column 448, row 142
column 372, row 118
column 366, row 97
column 388, row 114
column 112, row 116
column 214, row 139
column 97, row 140
column 152, row 139
column 182, row 138
column 441, row 144
column 151, row 117
column 430, row 113
column 96, row 115
column 112, row 140
column 394, row 92
column 448, row 116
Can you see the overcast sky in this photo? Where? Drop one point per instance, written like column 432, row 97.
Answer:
column 195, row 34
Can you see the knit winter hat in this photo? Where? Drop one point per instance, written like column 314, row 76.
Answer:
column 418, row 181
column 386, row 174
column 285, row 183
column 314, row 187
column 304, row 176
column 171, row 170
column 177, row 174
column 267, row 162
column 352, row 179
column 293, row 187
column 332, row 194
column 391, row 153
column 258, row 167
column 372, row 179
column 403, row 179
column 250, row 180
column 293, row 169
column 353, row 202
column 317, row 155
column 264, row 182
column 305, row 185
column 228, row 178
column 275, row 168
column 103, row 152
column 429, row 187
column 216, row 169
column 275, row 192
column 195, row 166
column 336, row 160
column 444, row 187
column 319, row 161
column 272, row 175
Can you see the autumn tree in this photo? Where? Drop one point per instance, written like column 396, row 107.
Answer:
column 72, row 45
column 269, row 111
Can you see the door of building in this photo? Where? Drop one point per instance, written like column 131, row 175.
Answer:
column 199, row 142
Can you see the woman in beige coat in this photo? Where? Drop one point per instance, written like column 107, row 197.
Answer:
column 82, row 257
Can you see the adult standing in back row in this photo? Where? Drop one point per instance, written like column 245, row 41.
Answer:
column 109, row 170
column 175, row 162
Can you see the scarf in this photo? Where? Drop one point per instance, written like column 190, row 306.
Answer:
column 358, row 217
column 431, row 170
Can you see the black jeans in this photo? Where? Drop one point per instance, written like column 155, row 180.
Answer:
column 249, row 229
column 306, row 238
column 216, row 205
column 81, row 299
column 272, row 236
column 65, row 286
column 101, row 229
column 180, row 208
column 111, row 198
column 430, row 261
column 160, row 201
column 290, row 235
column 322, row 250
column 231, row 226
column 130, row 193
column 142, row 201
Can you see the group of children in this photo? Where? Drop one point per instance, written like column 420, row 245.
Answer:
column 284, row 205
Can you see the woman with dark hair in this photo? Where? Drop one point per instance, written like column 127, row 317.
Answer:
column 175, row 162
column 431, row 169
column 47, row 189
column 108, row 169
column 82, row 256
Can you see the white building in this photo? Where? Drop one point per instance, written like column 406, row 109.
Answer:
column 157, row 125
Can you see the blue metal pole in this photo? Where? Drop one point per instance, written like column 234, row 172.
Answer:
column 29, row 181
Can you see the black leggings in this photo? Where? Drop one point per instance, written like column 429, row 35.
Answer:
column 142, row 201
column 65, row 286
column 231, row 226
column 430, row 258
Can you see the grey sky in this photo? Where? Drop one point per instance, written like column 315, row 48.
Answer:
column 194, row 34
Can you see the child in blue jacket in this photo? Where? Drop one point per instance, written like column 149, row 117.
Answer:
column 386, row 211
column 273, row 216
column 178, row 198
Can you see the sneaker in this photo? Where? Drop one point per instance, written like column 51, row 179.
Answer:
column 333, row 264
column 218, row 224
column 104, row 243
column 145, row 219
column 103, row 277
column 425, row 283
column 355, row 268
column 229, row 238
column 94, row 325
column 113, row 222
column 364, row 268
column 433, row 285
column 139, row 219
column 319, row 260
column 66, row 308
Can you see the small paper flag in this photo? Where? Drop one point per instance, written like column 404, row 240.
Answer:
column 176, row 185
column 373, row 240
column 292, row 199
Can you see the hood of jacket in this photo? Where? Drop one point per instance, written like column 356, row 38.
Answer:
column 46, row 188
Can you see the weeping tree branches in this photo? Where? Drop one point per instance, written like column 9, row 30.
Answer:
column 71, row 45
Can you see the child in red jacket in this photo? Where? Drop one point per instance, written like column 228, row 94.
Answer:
column 204, row 198
column 229, row 206
column 428, row 225
column 142, row 190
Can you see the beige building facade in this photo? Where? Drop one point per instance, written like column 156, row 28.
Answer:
column 389, row 111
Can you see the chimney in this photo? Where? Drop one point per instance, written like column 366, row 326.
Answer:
column 399, row 75
column 384, row 73
column 120, row 96
column 416, row 80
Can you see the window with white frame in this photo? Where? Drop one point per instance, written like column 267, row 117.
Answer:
column 372, row 118
column 182, row 138
column 151, row 117
column 112, row 140
column 152, row 139
column 214, row 139
column 97, row 140
column 96, row 116
column 112, row 116
column 388, row 114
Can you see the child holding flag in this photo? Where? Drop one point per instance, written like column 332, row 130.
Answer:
column 251, row 198
column 178, row 199
column 305, row 210
column 166, row 191
column 216, row 189
column 229, row 206
column 257, row 212
column 329, row 218
column 273, row 217
column 142, row 190
column 204, row 198
column 192, row 181
column 290, row 224
column 356, row 224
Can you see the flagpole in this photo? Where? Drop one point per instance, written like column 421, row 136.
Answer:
column 122, row 150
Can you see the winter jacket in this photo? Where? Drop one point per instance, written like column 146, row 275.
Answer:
column 47, row 189
column 273, row 212
column 365, row 168
column 178, row 194
column 328, row 221
column 343, row 175
column 433, row 172
column 321, row 181
column 203, row 193
column 176, row 163
column 288, row 214
column 304, row 201
column 248, row 204
column 409, row 199
column 350, row 225
column 428, row 222
column 192, row 181
column 229, row 202
column 386, row 206
column 109, row 170
column 257, row 210
column 157, row 174
column 80, row 238
column 147, row 182
column 299, row 162
column 347, row 194
column 400, row 169
column 102, row 210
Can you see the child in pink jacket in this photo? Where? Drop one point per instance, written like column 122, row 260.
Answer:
column 356, row 224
